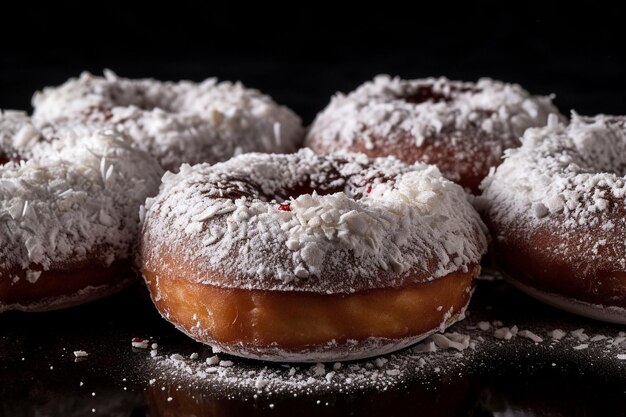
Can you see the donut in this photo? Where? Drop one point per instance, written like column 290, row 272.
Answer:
column 556, row 211
column 17, row 136
column 310, row 258
column 174, row 122
column 461, row 127
column 69, row 221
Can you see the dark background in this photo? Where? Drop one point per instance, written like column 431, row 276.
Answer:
column 301, row 56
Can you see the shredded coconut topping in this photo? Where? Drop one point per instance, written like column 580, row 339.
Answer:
column 387, row 107
column 484, row 117
column 568, row 180
column 17, row 135
column 76, row 200
column 347, row 223
column 175, row 122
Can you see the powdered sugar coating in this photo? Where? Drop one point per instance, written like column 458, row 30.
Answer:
column 422, row 119
column 17, row 135
column 351, row 223
column 175, row 122
column 77, row 199
column 379, row 108
column 572, row 170
column 568, row 180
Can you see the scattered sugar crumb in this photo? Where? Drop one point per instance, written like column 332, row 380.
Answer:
column 425, row 347
column 139, row 343
column 380, row 362
column 261, row 383
column 503, row 333
column 557, row 334
column 580, row 334
column 213, row 360
column 484, row 325
column 319, row 369
column 530, row 335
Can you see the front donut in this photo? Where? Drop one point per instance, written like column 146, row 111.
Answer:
column 310, row 258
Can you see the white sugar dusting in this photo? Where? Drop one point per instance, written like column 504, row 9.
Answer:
column 530, row 335
column 175, row 122
column 380, row 107
column 557, row 334
column 488, row 116
column 139, row 343
column 451, row 353
column 56, row 209
column 17, row 135
column 570, row 171
column 375, row 223
column 379, row 372
column 567, row 181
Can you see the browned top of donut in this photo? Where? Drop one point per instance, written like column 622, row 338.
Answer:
column 76, row 199
column 176, row 122
column 390, row 107
column 461, row 127
column 303, row 222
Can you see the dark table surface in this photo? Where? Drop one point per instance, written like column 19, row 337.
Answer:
column 39, row 375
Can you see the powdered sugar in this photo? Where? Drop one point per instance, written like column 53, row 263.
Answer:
column 568, row 180
column 385, row 107
column 568, row 170
column 530, row 335
column 376, row 373
column 452, row 340
column 462, row 127
column 175, row 122
column 75, row 200
column 464, row 349
column 352, row 223
column 17, row 135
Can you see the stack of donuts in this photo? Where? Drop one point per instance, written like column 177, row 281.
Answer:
column 367, row 240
